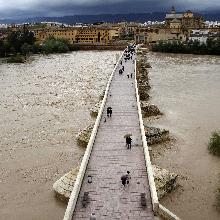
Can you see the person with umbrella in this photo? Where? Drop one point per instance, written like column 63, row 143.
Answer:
column 128, row 140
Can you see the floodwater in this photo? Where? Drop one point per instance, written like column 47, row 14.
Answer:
column 186, row 88
column 43, row 105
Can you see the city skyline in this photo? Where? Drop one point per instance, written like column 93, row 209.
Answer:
column 35, row 8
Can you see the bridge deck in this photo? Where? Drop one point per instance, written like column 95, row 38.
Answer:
column 110, row 159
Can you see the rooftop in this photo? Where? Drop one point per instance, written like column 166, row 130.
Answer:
column 174, row 16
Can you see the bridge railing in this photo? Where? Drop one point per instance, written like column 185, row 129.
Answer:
column 79, row 179
column 153, row 191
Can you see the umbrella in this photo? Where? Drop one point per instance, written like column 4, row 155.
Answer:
column 127, row 135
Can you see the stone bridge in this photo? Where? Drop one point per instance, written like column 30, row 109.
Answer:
column 107, row 158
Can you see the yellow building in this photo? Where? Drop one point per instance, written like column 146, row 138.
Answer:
column 81, row 35
column 153, row 35
column 67, row 33
column 92, row 36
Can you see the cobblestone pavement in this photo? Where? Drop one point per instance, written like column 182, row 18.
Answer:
column 110, row 159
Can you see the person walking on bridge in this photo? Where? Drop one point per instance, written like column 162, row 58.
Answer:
column 125, row 178
column 128, row 142
column 109, row 112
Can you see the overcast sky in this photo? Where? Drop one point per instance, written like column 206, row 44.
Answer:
column 33, row 8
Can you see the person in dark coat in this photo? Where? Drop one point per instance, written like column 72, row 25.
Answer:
column 128, row 177
column 109, row 112
column 129, row 142
column 125, row 178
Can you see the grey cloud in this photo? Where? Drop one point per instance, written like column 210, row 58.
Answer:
column 31, row 8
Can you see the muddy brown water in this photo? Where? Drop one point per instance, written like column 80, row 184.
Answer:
column 43, row 105
column 186, row 88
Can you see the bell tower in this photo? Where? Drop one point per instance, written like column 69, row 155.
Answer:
column 173, row 11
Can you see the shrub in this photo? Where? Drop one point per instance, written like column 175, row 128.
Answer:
column 212, row 47
column 218, row 200
column 16, row 59
column 53, row 45
column 214, row 143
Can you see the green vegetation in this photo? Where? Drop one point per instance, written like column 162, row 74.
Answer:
column 212, row 47
column 17, row 45
column 16, row 59
column 214, row 143
column 127, row 37
column 218, row 200
column 53, row 45
column 20, row 44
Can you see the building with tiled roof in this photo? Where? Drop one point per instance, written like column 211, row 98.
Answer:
column 188, row 20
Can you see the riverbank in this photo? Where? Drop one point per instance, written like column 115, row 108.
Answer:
column 211, row 47
column 99, row 47
column 20, row 46
column 19, row 58
column 186, row 89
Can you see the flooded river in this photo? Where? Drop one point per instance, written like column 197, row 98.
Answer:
column 43, row 105
column 187, row 89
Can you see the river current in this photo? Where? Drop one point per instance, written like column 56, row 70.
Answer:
column 186, row 88
column 43, row 105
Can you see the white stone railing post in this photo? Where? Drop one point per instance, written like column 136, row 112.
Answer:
column 153, row 191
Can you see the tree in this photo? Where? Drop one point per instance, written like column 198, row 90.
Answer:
column 26, row 49
column 214, row 143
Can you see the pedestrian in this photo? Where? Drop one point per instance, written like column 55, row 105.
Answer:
column 123, row 68
column 110, row 112
column 131, row 75
column 129, row 140
column 128, row 177
column 92, row 216
column 128, row 76
column 124, row 180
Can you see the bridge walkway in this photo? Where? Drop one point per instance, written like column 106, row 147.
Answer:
column 110, row 159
